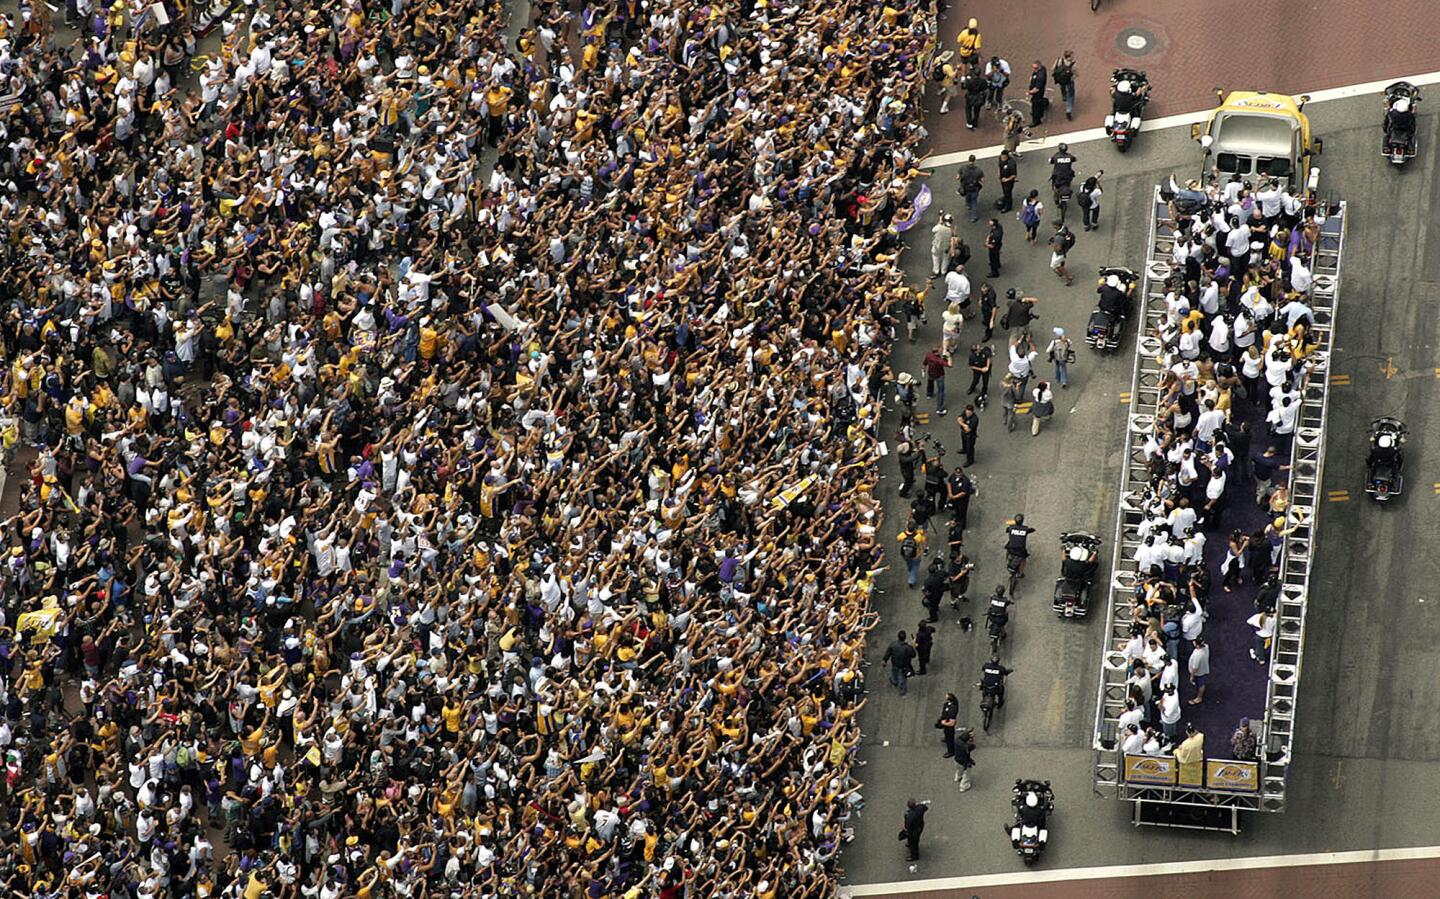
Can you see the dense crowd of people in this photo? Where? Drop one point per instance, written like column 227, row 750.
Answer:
column 1237, row 348
column 445, row 464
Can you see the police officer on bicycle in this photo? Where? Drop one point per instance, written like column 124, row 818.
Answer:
column 992, row 679
column 1016, row 534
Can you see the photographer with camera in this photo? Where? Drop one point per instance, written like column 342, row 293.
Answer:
column 908, row 456
column 1061, row 352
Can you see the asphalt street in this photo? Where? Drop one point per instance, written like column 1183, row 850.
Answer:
column 1369, row 721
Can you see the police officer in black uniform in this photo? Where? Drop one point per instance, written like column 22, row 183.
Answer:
column 992, row 679
column 1016, row 533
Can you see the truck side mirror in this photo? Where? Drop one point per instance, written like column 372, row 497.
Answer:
column 1195, row 131
column 1319, row 146
column 1301, row 100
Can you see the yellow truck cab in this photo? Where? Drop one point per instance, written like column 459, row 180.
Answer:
column 1259, row 135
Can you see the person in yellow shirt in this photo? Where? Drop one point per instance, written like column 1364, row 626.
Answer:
column 451, row 714
column 969, row 42
column 429, row 339
column 497, row 102
column 912, row 549
column 255, row 887
column 250, row 741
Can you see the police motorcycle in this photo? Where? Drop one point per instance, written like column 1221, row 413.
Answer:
column 1384, row 465
column 1034, row 803
column 1107, row 323
column 1129, row 92
column 1402, row 140
column 1079, row 561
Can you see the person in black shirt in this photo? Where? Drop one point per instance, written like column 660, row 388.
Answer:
column 924, row 642
column 1038, row 101
column 970, row 180
column 1269, row 594
column 900, row 654
column 988, row 310
column 949, row 712
column 975, row 91
column 957, row 495
column 914, row 825
column 969, row 423
column 1264, row 466
column 992, row 679
column 937, row 580
column 1020, row 312
column 1062, row 167
column 982, row 357
column 1237, row 437
column 994, row 242
column 1016, row 533
column 1009, row 172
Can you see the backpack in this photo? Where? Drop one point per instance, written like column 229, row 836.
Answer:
column 1062, row 73
column 1029, row 216
column 908, row 547
column 1084, row 200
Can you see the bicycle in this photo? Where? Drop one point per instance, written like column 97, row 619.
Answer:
column 987, row 707
column 1013, row 563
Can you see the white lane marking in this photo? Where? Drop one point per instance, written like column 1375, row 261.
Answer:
column 1151, row 870
column 1169, row 121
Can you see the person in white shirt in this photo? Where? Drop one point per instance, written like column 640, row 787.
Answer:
column 1182, row 518
column 1135, row 646
column 1215, row 493
column 1192, row 623
column 1022, row 354
column 1237, row 246
column 1140, row 677
column 1282, row 418
column 957, row 286
column 1244, row 336
column 1154, row 744
column 1148, row 555
column 1300, row 278
column 1170, row 711
column 1270, row 198
column 1134, row 742
column 1219, row 339
column 1132, row 716
column 1199, row 665
column 1264, row 625
column 1194, row 550
column 951, row 321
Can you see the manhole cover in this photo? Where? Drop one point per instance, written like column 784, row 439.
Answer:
column 1135, row 42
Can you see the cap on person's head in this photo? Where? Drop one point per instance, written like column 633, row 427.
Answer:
column 1059, row 332
column 974, row 23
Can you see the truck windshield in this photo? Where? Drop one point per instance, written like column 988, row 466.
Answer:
column 1276, row 166
column 1233, row 162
